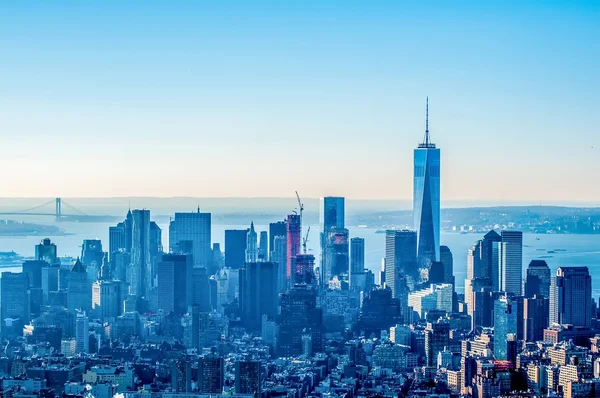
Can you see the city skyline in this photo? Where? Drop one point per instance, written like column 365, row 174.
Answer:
column 242, row 85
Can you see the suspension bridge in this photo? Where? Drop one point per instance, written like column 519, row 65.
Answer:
column 45, row 209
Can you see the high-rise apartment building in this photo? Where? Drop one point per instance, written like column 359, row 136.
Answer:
column 357, row 261
column 336, row 261
column 400, row 258
column 571, row 297
column 82, row 334
column 279, row 256
column 426, row 198
column 196, row 228
column 211, row 374
column 248, row 378
column 511, row 262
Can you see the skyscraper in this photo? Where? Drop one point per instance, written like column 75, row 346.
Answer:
column 538, row 278
column 294, row 229
column 305, row 269
column 437, row 338
column 175, row 283
column 92, row 256
column 279, row 256
column 511, row 262
column 535, row 318
column 357, row 260
column 79, row 290
column 426, row 198
column 333, row 213
column 251, row 245
column 82, row 334
column 140, row 268
column 278, row 228
column 448, row 262
column 336, row 261
column 300, row 316
column 46, row 251
column 235, row 248
column 571, row 297
column 258, row 293
column 400, row 258
column 194, row 227
column 116, row 240
column 14, row 299
column 263, row 246
column 211, row 374
column 505, row 324
column 490, row 258
column 248, row 378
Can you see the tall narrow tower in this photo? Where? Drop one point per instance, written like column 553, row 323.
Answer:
column 426, row 198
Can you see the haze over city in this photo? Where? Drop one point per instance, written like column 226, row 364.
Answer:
column 222, row 99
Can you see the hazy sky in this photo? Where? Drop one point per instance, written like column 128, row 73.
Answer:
column 261, row 98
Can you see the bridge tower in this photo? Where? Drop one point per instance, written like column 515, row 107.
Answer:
column 58, row 209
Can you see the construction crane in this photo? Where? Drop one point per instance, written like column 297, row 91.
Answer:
column 300, row 206
column 304, row 240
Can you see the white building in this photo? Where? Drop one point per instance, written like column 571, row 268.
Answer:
column 435, row 297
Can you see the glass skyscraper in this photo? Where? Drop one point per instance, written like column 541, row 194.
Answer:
column 426, row 199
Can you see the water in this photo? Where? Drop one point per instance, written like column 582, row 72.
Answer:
column 579, row 250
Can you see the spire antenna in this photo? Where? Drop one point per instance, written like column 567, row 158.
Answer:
column 427, row 121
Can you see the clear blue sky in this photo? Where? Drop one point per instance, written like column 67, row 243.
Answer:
column 261, row 98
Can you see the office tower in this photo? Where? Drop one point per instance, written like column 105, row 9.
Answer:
column 278, row 228
column 181, row 375
column 82, row 335
column 490, row 259
column 537, row 281
column 175, row 278
column 305, row 269
column 49, row 280
column 156, row 251
column 511, row 262
column 447, row 261
column 33, row 269
column 46, row 251
column 481, row 305
column 248, row 378
column 535, row 317
column 235, row 248
column 436, row 297
column 196, row 228
column 336, row 260
column 380, row 310
column 357, row 258
column 475, row 269
column 251, row 245
column 571, row 297
column 426, row 198
column 263, row 246
column 107, row 298
column 436, row 273
column 200, row 289
column 400, row 258
column 117, row 240
column 140, row 269
column 218, row 259
column 279, row 256
column 300, row 316
column 79, row 290
column 294, row 230
column 437, row 338
column 258, row 293
column 14, row 300
column 121, row 261
column 333, row 216
column 92, row 256
column 505, row 324
column 211, row 373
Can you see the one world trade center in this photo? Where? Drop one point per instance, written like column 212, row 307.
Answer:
column 426, row 198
